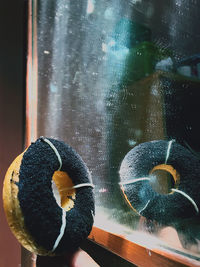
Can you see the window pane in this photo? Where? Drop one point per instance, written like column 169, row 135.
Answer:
column 113, row 75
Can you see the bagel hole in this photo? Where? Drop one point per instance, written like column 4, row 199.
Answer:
column 62, row 190
column 162, row 181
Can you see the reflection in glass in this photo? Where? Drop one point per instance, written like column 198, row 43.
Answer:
column 115, row 74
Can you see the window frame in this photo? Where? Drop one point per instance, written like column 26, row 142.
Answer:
column 130, row 251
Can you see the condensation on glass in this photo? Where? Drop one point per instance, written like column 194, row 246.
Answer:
column 112, row 75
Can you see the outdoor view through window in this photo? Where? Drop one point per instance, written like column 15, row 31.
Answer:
column 113, row 76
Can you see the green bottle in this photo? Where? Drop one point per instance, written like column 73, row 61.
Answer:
column 131, row 57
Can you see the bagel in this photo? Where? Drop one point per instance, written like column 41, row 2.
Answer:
column 43, row 223
column 136, row 173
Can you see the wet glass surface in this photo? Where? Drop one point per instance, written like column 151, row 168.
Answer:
column 113, row 75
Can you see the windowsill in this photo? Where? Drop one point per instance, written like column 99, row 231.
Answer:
column 141, row 248
column 140, row 255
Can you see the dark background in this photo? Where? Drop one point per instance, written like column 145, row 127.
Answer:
column 12, row 84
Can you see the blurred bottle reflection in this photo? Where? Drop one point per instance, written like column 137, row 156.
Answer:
column 132, row 57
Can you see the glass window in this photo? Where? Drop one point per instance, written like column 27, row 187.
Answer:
column 111, row 77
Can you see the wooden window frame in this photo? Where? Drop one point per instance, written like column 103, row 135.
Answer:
column 116, row 244
column 138, row 254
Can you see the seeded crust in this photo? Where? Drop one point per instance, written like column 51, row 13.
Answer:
column 12, row 208
column 36, row 197
column 183, row 166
